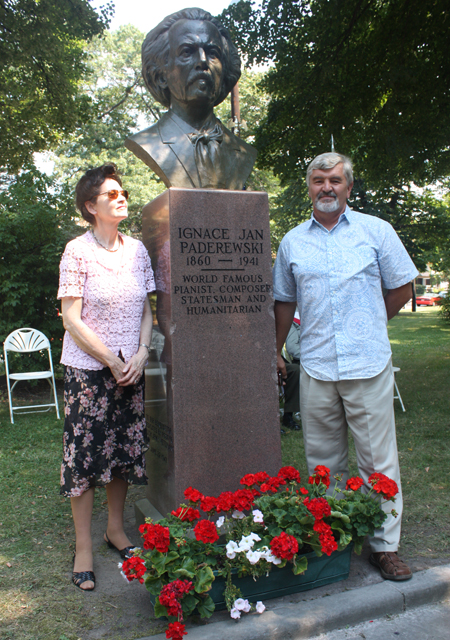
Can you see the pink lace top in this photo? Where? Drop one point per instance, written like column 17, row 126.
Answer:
column 113, row 287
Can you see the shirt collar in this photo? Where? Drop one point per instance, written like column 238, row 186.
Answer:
column 346, row 215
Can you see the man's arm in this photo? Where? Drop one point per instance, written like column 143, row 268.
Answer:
column 284, row 315
column 396, row 298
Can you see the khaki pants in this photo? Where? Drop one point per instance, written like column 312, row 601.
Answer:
column 366, row 406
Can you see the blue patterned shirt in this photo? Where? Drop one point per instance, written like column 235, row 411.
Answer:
column 337, row 278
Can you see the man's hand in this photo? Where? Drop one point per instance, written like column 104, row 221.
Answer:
column 281, row 368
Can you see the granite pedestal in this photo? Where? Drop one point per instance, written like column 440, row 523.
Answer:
column 211, row 392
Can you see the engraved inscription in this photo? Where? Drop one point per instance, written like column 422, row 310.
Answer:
column 229, row 262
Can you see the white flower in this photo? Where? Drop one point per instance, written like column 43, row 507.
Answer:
column 260, row 608
column 255, row 537
column 120, row 565
column 125, row 577
column 220, row 521
column 276, row 560
column 258, row 516
column 232, row 548
column 245, row 545
column 235, row 613
column 242, row 605
column 238, row 515
column 253, row 556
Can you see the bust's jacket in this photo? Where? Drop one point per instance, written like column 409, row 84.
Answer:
column 167, row 150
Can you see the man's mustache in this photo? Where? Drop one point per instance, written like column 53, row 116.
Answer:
column 322, row 194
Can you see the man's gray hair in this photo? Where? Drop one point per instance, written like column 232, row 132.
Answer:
column 155, row 55
column 328, row 161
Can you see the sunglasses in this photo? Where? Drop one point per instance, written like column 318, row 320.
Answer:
column 113, row 194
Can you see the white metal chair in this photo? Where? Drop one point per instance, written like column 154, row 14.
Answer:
column 398, row 396
column 28, row 340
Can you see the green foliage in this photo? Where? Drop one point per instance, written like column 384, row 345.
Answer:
column 35, row 224
column 373, row 74
column 42, row 60
column 445, row 308
column 121, row 105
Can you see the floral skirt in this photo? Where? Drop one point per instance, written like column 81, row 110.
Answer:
column 105, row 434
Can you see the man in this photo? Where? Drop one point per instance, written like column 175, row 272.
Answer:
column 190, row 65
column 335, row 267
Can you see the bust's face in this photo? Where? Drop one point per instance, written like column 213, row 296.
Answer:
column 194, row 69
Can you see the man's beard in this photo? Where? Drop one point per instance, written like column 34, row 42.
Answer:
column 326, row 207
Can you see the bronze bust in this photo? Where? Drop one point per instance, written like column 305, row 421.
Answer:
column 190, row 65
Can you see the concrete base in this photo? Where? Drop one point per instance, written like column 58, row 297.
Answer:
column 144, row 509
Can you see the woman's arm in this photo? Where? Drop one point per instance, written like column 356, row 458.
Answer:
column 135, row 365
column 86, row 339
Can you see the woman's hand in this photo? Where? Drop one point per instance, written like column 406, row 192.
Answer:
column 132, row 371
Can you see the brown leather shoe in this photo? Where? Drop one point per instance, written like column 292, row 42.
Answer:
column 390, row 565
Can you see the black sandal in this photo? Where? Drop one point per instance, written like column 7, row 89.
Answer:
column 125, row 553
column 78, row 577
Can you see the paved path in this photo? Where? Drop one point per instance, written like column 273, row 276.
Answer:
column 424, row 623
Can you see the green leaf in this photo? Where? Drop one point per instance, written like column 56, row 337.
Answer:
column 342, row 516
column 206, row 607
column 300, row 566
column 204, row 579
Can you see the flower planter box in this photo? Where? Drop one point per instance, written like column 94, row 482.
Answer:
column 282, row 582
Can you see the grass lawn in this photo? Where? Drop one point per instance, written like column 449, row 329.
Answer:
column 36, row 533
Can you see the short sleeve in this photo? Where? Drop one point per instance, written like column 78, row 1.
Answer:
column 284, row 285
column 149, row 278
column 396, row 267
column 72, row 273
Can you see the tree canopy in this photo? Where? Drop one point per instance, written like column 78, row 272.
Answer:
column 42, row 61
column 374, row 73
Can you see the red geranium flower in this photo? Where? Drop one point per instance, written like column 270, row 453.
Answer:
column 193, row 495
column 289, row 473
column 272, row 484
column 261, row 476
column 176, row 631
column 319, row 507
column 385, row 486
column 208, row 503
column 284, row 546
column 155, row 537
column 171, row 595
column 134, row 569
column 243, row 499
column 327, row 543
column 321, row 474
column 186, row 513
column 225, row 502
column 248, row 480
column 206, row 531
column 354, row 483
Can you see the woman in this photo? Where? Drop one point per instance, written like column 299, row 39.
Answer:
column 104, row 280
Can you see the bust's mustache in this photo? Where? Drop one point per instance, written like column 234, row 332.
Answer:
column 201, row 75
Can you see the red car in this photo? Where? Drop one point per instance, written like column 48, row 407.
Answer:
column 427, row 300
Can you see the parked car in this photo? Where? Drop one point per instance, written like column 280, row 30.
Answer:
column 431, row 299
column 426, row 300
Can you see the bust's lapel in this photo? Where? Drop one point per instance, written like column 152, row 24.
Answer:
column 181, row 147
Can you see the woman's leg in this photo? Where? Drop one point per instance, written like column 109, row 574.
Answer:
column 82, row 516
column 116, row 492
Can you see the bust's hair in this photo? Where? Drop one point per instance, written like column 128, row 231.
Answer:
column 88, row 187
column 155, row 55
column 328, row 161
